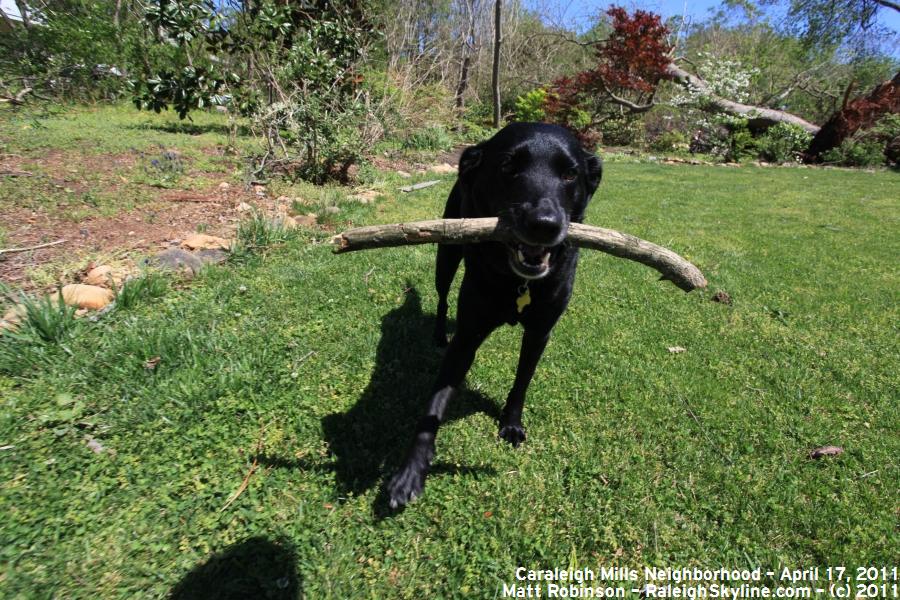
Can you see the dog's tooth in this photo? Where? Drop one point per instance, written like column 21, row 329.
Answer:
column 520, row 256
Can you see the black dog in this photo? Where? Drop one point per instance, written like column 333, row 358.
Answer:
column 538, row 179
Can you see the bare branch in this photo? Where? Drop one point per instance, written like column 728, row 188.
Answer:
column 27, row 248
column 888, row 4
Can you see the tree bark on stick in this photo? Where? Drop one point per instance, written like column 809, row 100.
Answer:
column 470, row 231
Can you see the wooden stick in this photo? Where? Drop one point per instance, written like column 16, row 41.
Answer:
column 27, row 248
column 471, row 231
column 419, row 186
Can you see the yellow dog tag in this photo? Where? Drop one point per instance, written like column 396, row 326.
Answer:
column 524, row 298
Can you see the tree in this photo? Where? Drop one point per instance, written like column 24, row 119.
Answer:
column 467, row 48
column 631, row 64
column 68, row 49
column 631, row 61
column 849, row 23
column 291, row 67
column 495, row 71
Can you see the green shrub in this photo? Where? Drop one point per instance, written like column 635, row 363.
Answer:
column 431, row 139
column 621, row 132
column 472, row 133
column 856, row 153
column 740, row 144
column 530, row 105
column 783, row 142
column 670, row 141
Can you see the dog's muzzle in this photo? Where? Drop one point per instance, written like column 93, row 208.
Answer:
column 528, row 261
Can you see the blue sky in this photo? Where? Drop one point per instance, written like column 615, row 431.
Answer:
column 579, row 13
column 580, row 10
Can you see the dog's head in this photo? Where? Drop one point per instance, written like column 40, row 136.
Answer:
column 537, row 179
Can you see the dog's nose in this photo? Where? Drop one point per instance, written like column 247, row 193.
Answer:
column 544, row 223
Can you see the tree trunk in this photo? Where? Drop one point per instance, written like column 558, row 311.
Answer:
column 855, row 115
column 495, row 73
column 467, row 47
column 23, row 12
column 714, row 103
column 9, row 22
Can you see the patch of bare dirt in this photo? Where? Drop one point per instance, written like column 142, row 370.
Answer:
column 143, row 230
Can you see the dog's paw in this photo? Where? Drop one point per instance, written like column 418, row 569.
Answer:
column 514, row 433
column 405, row 486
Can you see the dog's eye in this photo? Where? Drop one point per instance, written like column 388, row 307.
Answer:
column 570, row 174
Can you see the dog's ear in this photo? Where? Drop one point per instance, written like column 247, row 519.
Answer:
column 470, row 159
column 594, row 171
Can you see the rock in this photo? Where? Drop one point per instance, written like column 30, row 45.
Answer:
column 13, row 317
column 309, row 220
column 224, row 186
column 98, row 275
column 212, row 256
column 92, row 297
column 104, row 276
column 404, row 174
column 285, row 221
column 176, row 259
column 201, row 241
column 443, row 168
column 365, row 196
column 244, row 207
column 259, row 190
column 332, row 210
column 826, row 451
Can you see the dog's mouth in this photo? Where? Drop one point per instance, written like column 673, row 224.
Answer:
column 528, row 261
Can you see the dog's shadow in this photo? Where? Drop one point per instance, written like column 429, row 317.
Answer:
column 369, row 441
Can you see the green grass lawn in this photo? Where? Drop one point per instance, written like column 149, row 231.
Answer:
column 87, row 160
column 314, row 368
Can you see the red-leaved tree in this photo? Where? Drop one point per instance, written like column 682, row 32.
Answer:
column 630, row 64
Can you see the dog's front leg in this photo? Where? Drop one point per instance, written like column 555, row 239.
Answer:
column 533, row 344
column 408, row 483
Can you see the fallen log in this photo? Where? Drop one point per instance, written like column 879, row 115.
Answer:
column 471, row 231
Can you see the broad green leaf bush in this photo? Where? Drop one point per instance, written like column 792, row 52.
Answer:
column 783, row 142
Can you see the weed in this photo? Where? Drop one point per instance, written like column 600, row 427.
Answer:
column 132, row 291
column 164, row 169
column 258, row 232
column 431, row 139
column 48, row 319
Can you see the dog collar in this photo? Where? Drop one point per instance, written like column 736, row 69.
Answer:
column 524, row 298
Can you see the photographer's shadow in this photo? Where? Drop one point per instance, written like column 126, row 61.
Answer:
column 369, row 441
column 253, row 568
